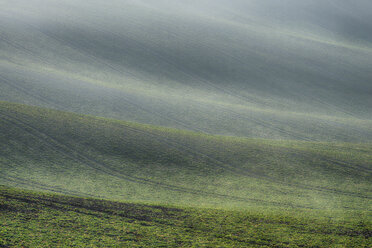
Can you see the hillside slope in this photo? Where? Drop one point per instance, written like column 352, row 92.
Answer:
column 295, row 70
column 89, row 156
column 56, row 220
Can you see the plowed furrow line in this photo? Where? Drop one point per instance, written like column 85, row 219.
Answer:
column 102, row 168
column 238, row 170
column 41, row 186
column 26, row 91
column 95, row 59
column 210, row 84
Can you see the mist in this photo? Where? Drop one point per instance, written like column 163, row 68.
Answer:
column 269, row 69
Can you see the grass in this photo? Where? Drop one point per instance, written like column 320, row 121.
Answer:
column 278, row 151
column 82, row 155
column 31, row 219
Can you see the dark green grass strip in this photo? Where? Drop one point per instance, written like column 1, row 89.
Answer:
column 33, row 219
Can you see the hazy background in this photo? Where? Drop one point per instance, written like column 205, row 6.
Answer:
column 272, row 69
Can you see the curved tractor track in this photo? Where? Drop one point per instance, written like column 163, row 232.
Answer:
column 103, row 167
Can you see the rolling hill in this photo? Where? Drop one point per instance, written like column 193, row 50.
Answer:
column 241, row 68
column 92, row 156
column 198, row 123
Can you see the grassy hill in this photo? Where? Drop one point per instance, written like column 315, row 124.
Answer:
column 294, row 70
column 32, row 219
column 90, row 156
column 186, row 123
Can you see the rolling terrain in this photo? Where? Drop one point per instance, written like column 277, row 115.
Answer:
column 198, row 123
column 90, row 156
column 241, row 68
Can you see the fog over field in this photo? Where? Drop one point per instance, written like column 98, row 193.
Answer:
column 185, row 123
column 272, row 69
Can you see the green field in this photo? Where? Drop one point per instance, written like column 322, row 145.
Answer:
column 174, row 188
column 31, row 219
column 90, row 156
column 198, row 123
